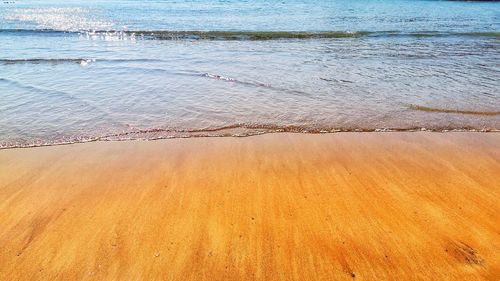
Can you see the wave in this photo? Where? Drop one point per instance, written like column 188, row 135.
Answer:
column 229, row 79
column 52, row 32
column 457, row 111
column 80, row 61
column 236, row 130
column 256, row 84
column 242, row 35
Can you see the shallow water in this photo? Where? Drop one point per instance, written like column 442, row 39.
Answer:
column 88, row 70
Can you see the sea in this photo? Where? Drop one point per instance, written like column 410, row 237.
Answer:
column 100, row 70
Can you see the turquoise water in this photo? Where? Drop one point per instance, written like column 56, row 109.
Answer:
column 75, row 71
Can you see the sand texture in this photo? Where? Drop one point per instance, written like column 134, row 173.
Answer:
column 346, row 206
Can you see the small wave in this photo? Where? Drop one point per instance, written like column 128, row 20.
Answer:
column 457, row 111
column 277, row 35
column 81, row 61
column 245, row 129
column 258, row 84
column 229, row 79
column 239, row 35
column 245, row 35
column 235, row 130
column 419, row 34
column 48, row 61
column 41, row 31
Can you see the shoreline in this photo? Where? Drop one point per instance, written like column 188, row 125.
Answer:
column 111, row 138
column 276, row 206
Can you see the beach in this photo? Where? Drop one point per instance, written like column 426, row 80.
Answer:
column 283, row 206
column 233, row 140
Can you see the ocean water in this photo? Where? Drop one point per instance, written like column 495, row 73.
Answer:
column 86, row 70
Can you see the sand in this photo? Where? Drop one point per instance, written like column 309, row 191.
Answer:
column 346, row 206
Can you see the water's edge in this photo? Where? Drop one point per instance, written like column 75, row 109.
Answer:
column 109, row 139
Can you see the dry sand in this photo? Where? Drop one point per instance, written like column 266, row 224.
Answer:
column 346, row 206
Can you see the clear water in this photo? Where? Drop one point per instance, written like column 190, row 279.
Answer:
column 102, row 70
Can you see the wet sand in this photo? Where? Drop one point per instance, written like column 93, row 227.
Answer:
column 346, row 206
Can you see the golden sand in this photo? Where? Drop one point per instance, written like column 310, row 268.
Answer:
column 347, row 206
